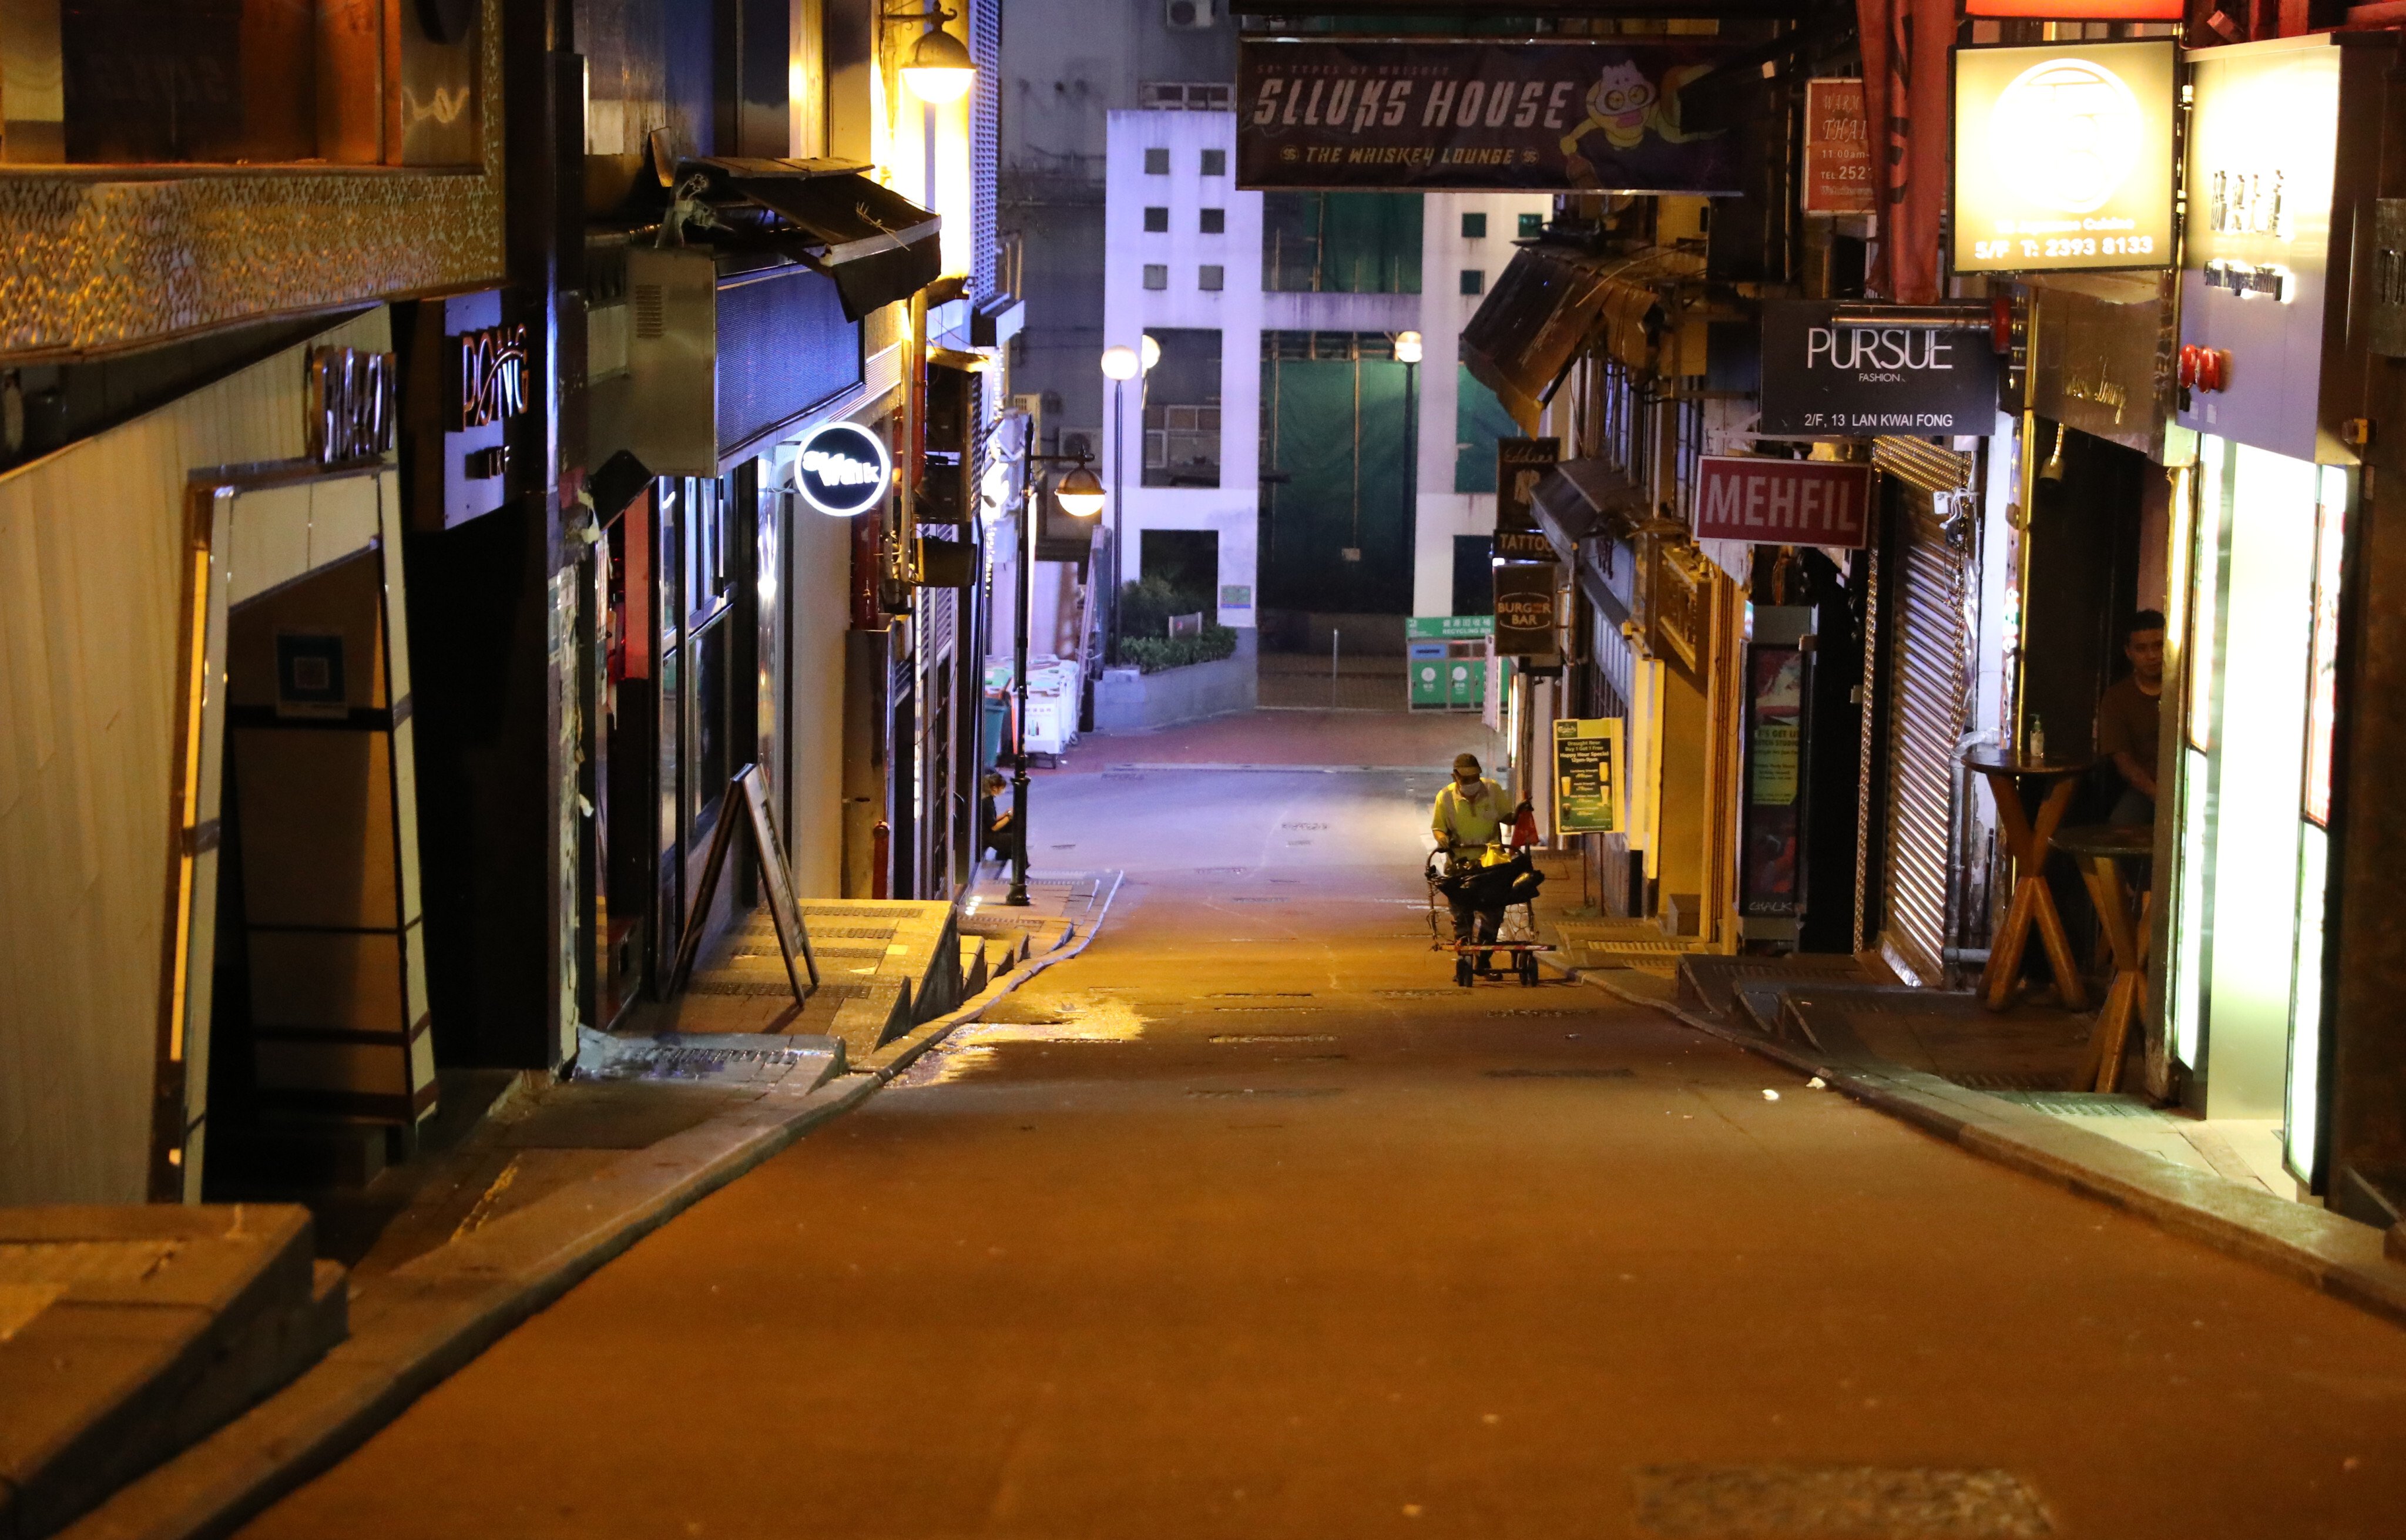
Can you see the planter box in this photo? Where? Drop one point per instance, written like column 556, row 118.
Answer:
column 1129, row 702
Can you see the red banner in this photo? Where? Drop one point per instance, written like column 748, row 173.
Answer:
column 1782, row 501
column 1907, row 104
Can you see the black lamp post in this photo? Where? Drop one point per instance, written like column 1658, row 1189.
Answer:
column 1082, row 497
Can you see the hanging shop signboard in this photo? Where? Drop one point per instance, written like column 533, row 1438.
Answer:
column 2080, row 11
column 1782, row 501
column 2063, row 157
column 1447, row 114
column 1519, row 465
column 1837, row 150
column 2277, row 128
column 1587, row 775
column 843, row 469
column 1525, row 608
column 1836, row 369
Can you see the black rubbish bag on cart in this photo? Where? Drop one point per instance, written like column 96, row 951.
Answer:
column 1514, row 882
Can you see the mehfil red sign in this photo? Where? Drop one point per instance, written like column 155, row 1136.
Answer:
column 1782, row 501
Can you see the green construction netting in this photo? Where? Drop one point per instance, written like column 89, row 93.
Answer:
column 1341, row 457
column 1350, row 243
column 1479, row 420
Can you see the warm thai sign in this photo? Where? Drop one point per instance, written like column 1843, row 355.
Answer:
column 2063, row 157
column 1782, row 501
column 1473, row 115
column 1837, row 150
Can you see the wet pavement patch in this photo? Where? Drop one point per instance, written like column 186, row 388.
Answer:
column 1559, row 1074
column 1835, row 1502
column 1274, row 1038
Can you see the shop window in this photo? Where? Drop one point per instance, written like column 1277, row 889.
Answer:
column 1215, row 163
column 1156, row 221
column 1182, row 409
column 1474, row 280
column 1215, row 221
column 1212, row 277
column 1156, row 275
column 1346, row 242
column 172, row 82
column 1157, row 162
column 1474, row 227
column 1532, row 226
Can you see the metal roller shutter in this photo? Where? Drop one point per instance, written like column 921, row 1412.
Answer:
column 1930, row 685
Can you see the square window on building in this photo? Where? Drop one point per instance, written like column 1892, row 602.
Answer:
column 1215, row 221
column 1532, row 226
column 1474, row 280
column 1156, row 220
column 1212, row 277
column 1157, row 162
column 1156, row 275
column 1474, row 227
column 1215, row 163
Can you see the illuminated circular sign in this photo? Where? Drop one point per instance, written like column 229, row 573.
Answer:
column 2066, row 133
column 843, row 469
column 1524, row 612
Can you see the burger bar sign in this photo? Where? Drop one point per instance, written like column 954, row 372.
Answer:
column 843, row 469
column 1838, row 370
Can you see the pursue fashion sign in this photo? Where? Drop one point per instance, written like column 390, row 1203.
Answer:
column 1821, row 375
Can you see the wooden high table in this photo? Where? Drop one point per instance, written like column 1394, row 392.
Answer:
column 2026, row 842
column 2101, row 849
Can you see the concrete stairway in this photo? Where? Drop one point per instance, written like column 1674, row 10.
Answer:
column 128, row 1333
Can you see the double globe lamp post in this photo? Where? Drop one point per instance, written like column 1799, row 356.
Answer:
column 1079, row 493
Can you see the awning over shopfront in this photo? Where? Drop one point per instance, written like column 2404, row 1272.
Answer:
column 1549, row 303
column 877, row 245
column 1584, row 497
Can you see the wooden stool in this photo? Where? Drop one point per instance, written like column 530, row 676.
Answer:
column 2026, row 842
column 2101, row 849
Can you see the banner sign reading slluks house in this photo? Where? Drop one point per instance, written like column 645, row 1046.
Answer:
column 1449, row 114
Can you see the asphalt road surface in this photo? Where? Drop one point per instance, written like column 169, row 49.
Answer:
column 1246, row 1223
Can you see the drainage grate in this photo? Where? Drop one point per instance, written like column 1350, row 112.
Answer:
column 1293, row 1094
column 1303, row 825
column 1259, row 995
column 2001, row 1080
column 1257, row 900
column 1835, row 1502
column 2078, row 1104
column 1535, row 1011
column 1260, row 1010
column 1412, row 993
column 1273, row 1038
column 1560, row 1074
column 1122, row 775
column 746, row 990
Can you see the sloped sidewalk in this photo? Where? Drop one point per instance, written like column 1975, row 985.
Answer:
column 705, row 1108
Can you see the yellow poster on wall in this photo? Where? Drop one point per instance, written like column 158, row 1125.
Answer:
column 1587, row 775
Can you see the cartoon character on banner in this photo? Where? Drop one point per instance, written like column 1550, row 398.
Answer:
column 1625, row 105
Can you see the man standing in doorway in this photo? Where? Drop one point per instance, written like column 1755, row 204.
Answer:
column 1469, row 816
column 2127, row 718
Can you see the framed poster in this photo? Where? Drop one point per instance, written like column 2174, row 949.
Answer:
column 1771, row 860
column 1587, row 775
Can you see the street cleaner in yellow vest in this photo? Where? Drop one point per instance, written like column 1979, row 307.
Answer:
column 1471, row 816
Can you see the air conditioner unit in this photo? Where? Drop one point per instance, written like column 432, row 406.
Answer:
column 1191, row 15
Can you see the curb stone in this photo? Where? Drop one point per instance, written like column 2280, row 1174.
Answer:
column 2313, row 1246
column 431, row 1317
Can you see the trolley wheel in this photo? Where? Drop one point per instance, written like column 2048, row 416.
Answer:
column 1462, row 968
column 1529, row 968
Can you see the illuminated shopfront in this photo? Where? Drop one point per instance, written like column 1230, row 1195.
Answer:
column 2268, row 385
